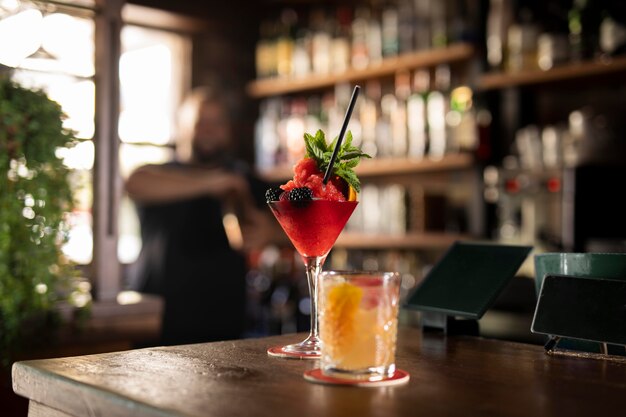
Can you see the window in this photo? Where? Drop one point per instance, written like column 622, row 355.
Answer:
column 152, row 83
column 62, row 64
column 53, row 49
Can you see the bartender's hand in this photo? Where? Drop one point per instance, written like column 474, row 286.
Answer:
column 258, row 229
column 229, row 187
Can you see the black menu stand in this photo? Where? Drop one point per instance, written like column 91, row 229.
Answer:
column 460, row 288
column 585, row 313
column 449, row 325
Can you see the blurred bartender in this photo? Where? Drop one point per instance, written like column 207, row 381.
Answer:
column 198, row 214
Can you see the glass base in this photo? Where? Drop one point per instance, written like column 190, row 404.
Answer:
column 307, row 349
column 377, row 373
column 317, row 376
column 310, row 346
column 282, row 352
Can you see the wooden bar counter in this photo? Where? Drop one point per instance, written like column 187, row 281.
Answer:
column 450, row 376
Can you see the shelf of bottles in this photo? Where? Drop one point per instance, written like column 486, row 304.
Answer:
column 386, row 67
column 421, row 125
column 570, row 71
column 321, row 47
column 579, row 46
column 584, row 41
column 408, row 125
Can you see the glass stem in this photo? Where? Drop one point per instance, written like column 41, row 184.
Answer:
column 313, row 266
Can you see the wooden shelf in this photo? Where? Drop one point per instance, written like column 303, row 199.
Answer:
column 427, row 240
column 390, row 166
column 566, row 72
column 389, row 66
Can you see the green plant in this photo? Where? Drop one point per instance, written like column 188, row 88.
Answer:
column 35, row 198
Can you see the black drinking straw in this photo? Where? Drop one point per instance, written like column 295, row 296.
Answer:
column 346, row 120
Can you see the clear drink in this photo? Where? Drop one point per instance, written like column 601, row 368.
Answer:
column 358, row 324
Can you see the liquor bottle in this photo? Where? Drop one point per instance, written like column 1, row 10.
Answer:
column 462, row 17
column 551, row 138
column 438, row 24
column 295, row 129
column 612, row 36
column 375, row 38
column 461, row 121
column 340, row 45
column 387, row 103
column 584, row 22
column 437, row 109
column 522, row 43
column 282, row 154
column 483, row 125
column 327, row 110
column 399, row 114
column 265, row 52
column 453, row 116
column 422, row 24
column 360, row 27
column 416, row 114
column 406, row 35
column 266, row 137
column 368, row 115
column 301, row 61
column 369, row 201
column 499, row 19
column 312, row 121
column 390, row 31
column 321, row 43
column 285, row 43
column 395, row 199
column 528, row 144
column 343, row 92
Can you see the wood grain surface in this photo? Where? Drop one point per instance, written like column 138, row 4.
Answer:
column 455, row 376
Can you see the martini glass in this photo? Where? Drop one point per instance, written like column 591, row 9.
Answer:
column 313, row 227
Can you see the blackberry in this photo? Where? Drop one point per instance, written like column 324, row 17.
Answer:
column 300, row 195
column 273, row 194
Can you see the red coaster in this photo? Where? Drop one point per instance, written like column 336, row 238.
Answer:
column 315, row 375
column 280, row 352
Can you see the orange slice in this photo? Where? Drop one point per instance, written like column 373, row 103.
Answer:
column 352, row 194
column 338, row 322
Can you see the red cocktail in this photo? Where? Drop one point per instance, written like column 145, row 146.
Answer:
column 313, row 227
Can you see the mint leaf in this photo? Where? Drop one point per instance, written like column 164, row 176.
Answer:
column 350, row 177
column 315, row 145
column 347, row 141
column 308, row 143
column 352, row 149
column 331, row 147
column 318, row 154
column 320, row 141
column 348, row 156
column 352, row 155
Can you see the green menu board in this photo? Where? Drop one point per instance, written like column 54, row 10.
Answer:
column 467, row 280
